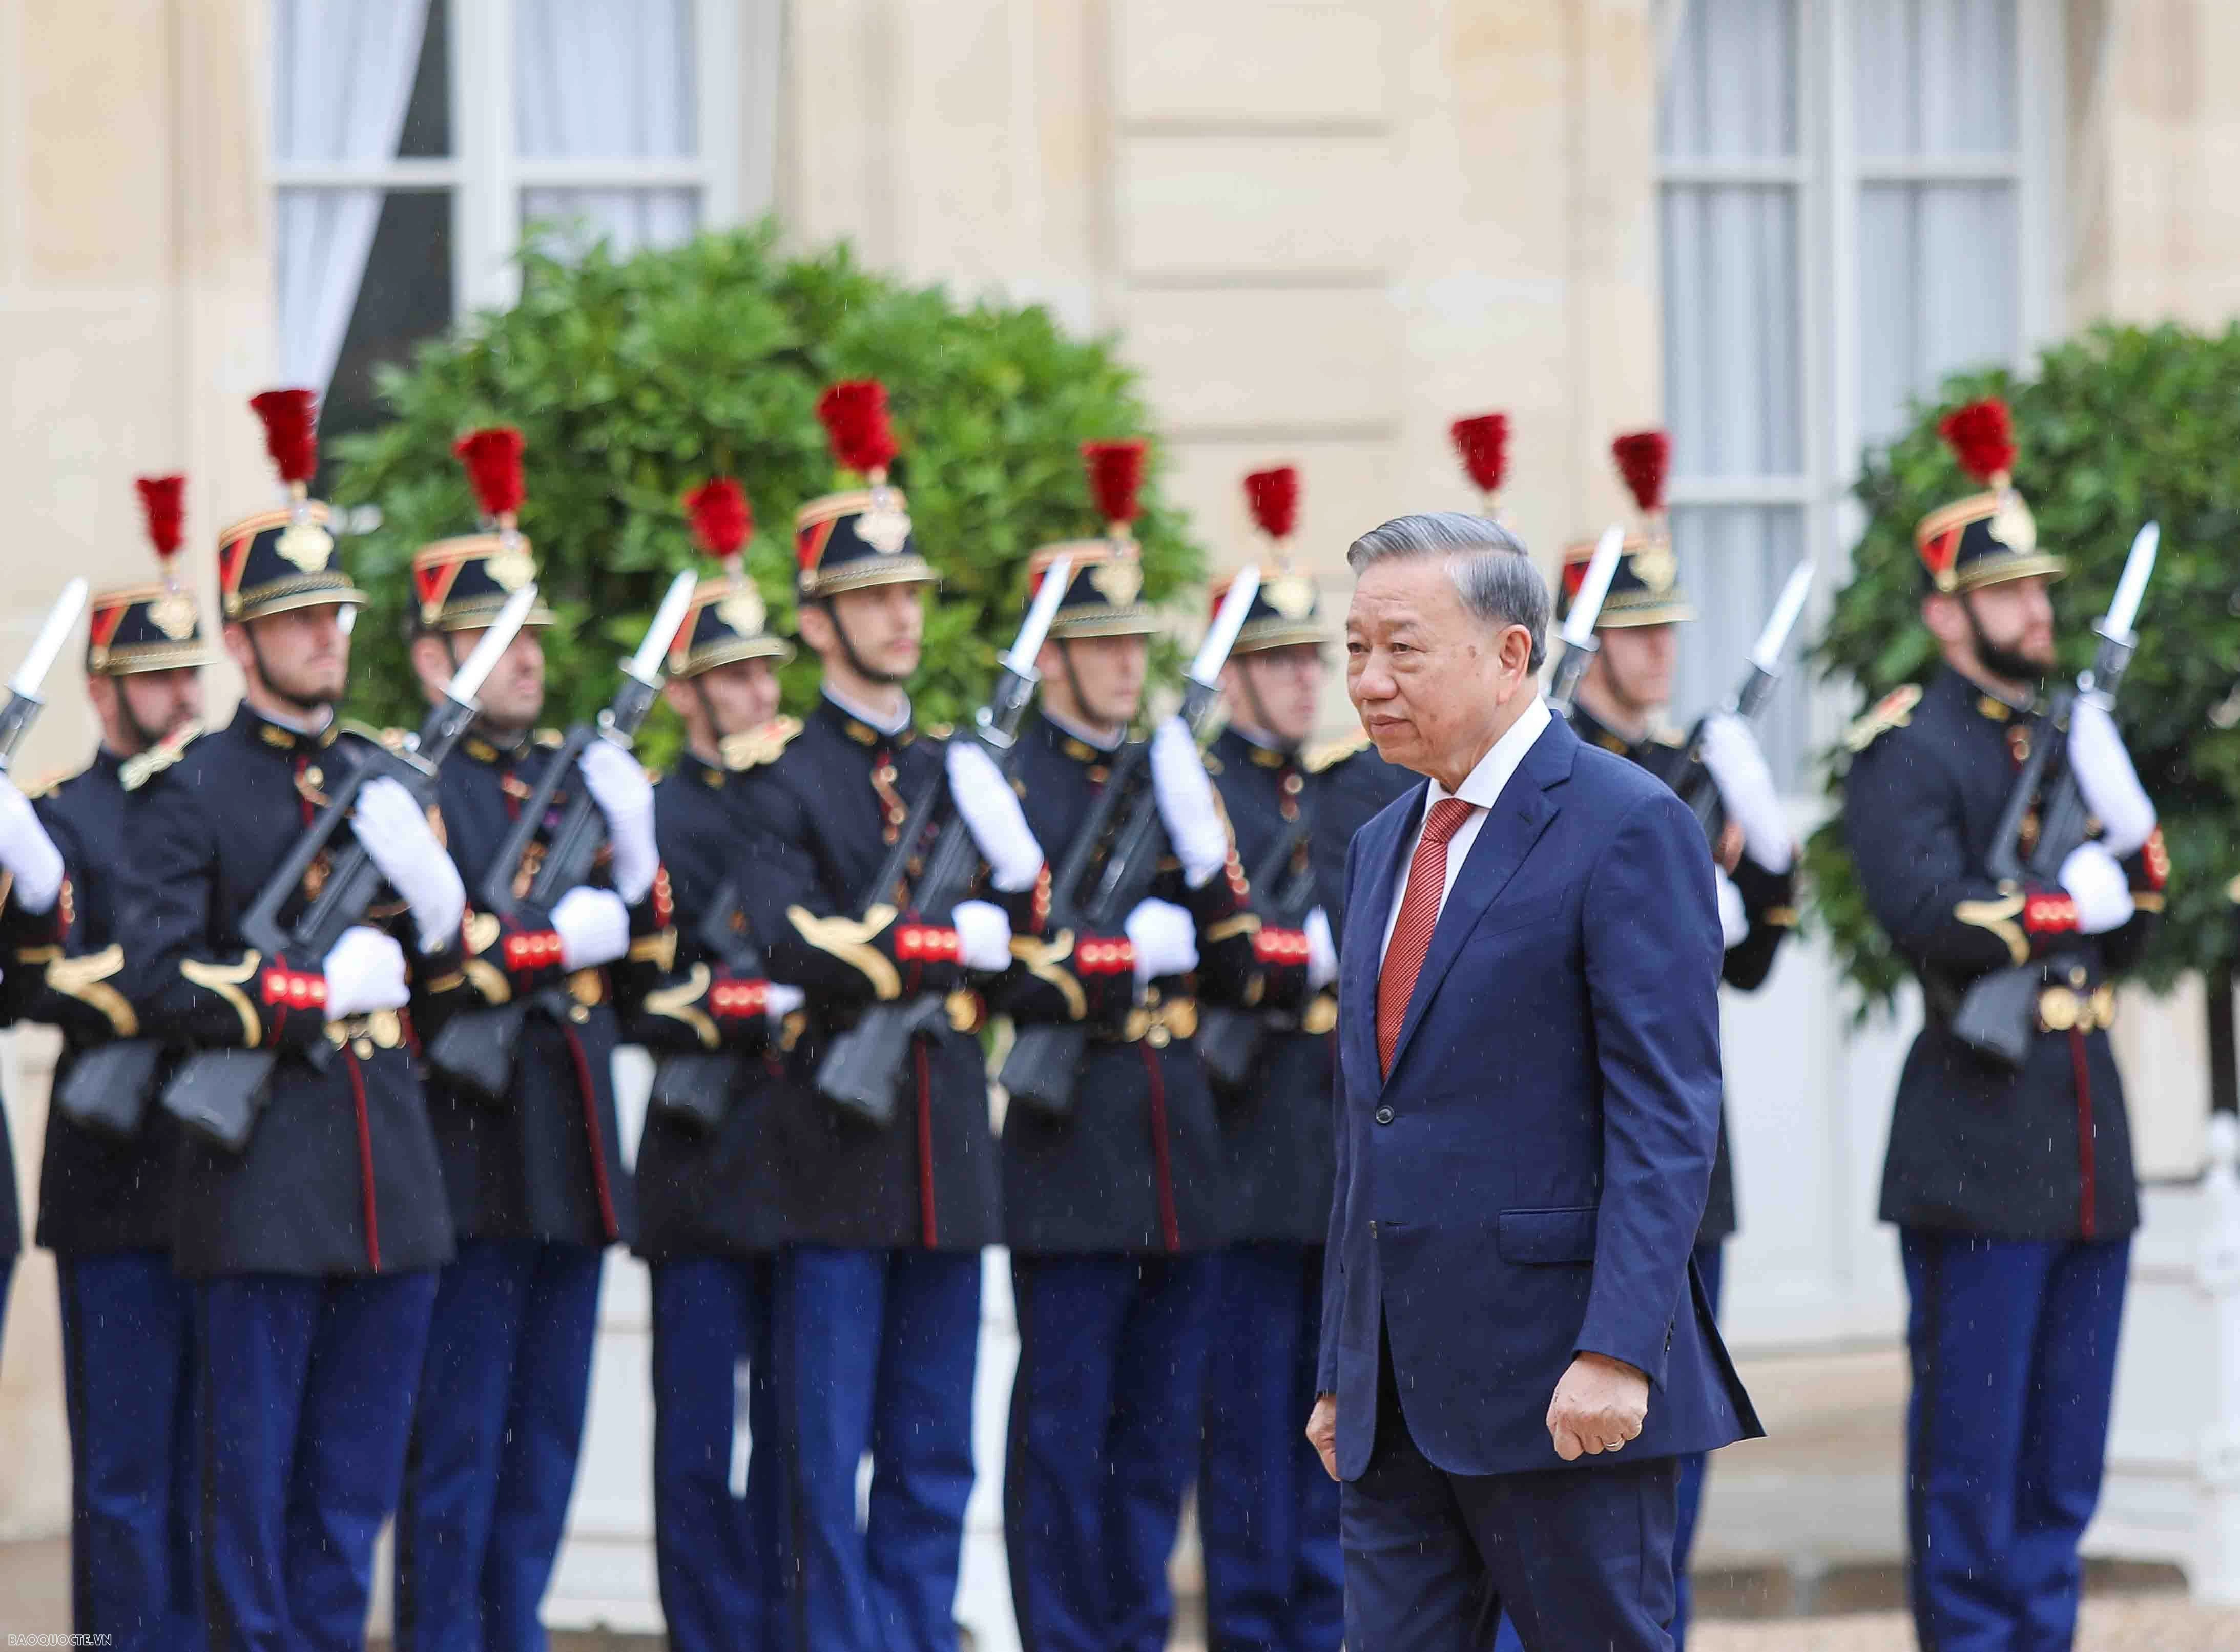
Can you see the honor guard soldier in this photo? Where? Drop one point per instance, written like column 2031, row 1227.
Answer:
column 1619, row 704
column 2011, row 1186
column 876, row 1305
column 536, row 1175
column 1116, row 1209
column 710, row 1191
column 1268, row 1515
column 313, row 1245
column 106, row 1185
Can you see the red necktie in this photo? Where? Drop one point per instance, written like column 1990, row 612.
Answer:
column 1419, row 915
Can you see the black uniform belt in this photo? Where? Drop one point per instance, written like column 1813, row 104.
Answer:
column 2069, row 999
column 1156, row 1021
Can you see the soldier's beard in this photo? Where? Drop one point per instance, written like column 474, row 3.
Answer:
column 2008, row 664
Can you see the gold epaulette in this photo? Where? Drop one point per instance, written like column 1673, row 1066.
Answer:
column 1893, row 711
column 135, row 772
column 758, row 746
column 940, row 730
column 46, row 784
column 551, row 739
column 389, row 739
column 1330, row 752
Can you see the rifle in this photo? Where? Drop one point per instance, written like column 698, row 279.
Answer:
column 1579, row 644
column 1229, row 1039
column 861, row 1071
column 1689, row 778
column 475, row 1048
column 1096, row 891
column 1998, row 1014
column 694, row 1087
column 218, row 1093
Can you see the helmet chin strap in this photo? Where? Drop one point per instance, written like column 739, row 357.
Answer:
column 884, row 679
column 142, row 736
column 1257, row 706
column 264, row 675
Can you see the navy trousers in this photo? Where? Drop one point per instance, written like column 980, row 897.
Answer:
column 129, row 1391
column 306, row 1401
column 495, row 1439
column 2014, row 1363
column 876, row 1350
column 1576, row 1557
column 1267, row 1512
column 719, row 1554
column 1105, row 1414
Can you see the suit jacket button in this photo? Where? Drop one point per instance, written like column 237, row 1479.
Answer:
column 1384, row 1116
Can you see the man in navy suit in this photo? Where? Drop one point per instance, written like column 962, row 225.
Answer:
column 1515, row 1349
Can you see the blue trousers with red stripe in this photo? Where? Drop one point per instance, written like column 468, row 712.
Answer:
column 306, row 1401
column 128, row 1387
column 495, row 1440
column 1267, row 1513
column 2013, row 1345
column 876, row 1351
column 1105, row 1414
column 720, row 1556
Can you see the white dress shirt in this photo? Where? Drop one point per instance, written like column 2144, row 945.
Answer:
column 1482, row 790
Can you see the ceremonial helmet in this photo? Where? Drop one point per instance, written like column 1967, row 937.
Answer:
column 853, row 540
column 1987, row 537
column 149, row 627
column 728, row 618
column 1104, row 593
column 1286, row 609
column 284, row 559
column 1645, row 588
column 460, row 584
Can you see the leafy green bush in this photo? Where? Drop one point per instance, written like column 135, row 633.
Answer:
column 2118, row 427
column 634, row 379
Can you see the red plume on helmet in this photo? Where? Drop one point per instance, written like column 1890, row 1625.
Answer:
column 1274, row 497
column 1115, row 477
column 163, row 499
column 1982, row 437
column 1482, row 442
column 493, row 461
column 291, row 432
column 1643, row 458
column 721, row 519
column 854, row 413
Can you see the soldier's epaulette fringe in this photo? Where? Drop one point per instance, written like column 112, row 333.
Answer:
column 741, row 752
column 1893, row 711
column 1330, row 752
column 135, row 772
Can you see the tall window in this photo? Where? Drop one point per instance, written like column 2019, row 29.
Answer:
column 415, row 140
column 1853, row 203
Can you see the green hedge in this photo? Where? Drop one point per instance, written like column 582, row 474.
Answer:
column 634, row 379
column 2115, row 428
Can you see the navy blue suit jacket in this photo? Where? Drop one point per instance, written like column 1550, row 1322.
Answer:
column 1526, row 1183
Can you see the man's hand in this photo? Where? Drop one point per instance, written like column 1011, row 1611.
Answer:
column 1322, row 1432
column 1599, row 1405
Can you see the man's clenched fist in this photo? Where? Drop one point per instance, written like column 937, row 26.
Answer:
column 1599, row 1405
column 1322, row 1432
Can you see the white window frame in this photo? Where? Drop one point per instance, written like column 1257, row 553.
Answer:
column 1828, row 174
column 486, row 176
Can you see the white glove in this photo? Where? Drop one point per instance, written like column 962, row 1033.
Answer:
column 365, row 972
column 983, row 936
column 27, row 851
column 780, row 1000
column 1734, row 917
column 991, row 808
column 2098, row 886
column 2104, row 775
column 1753, row 801
column 1165, row 939
column 1186, row 804
column 1321, row 951
column 593, row 926
column 395, row 831
column 618, row 785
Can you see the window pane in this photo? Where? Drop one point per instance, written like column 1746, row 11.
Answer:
column 608, row 80
column 1733, row 387
column 406, row 296
column 1733, row 559
column 1731, row 89
column 1934, row 76
column 427, row 133
column 1940, row 277
column 342, row 72
column 628, row 220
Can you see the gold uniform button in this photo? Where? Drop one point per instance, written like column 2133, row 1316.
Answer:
column 578, row 1014
column 1157, row 1037
column 361, row 1048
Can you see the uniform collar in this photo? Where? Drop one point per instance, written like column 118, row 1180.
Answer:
column 1982, row 703
column 1591, row 729
column 1068, row 741
column 260, row 731
column 106, row 763
column 858, row 724
column 479, row 746
column 1234, row 745
column 697, row 769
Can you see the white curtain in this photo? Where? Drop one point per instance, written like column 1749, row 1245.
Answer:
column 603, row 81
column 342, row 76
